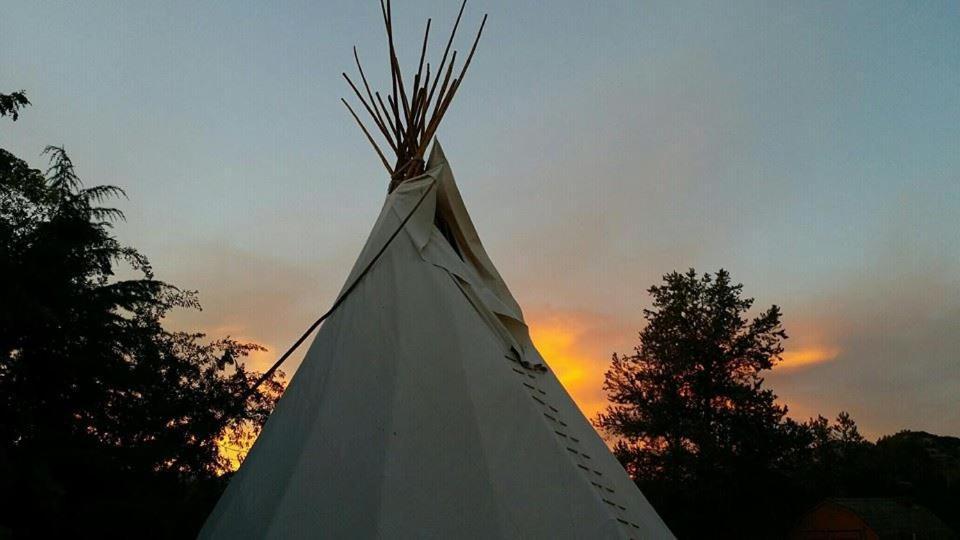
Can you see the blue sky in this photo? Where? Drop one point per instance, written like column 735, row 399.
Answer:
column 811, row 148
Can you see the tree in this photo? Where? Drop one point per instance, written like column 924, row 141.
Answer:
column 688, row 408
column 10, row 104
column 109, row 418
column 713, row 451
column 923, row 467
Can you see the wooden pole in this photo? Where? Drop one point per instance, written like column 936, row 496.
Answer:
column 409, row 120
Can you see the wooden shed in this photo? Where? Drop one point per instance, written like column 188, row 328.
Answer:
column 870, row 519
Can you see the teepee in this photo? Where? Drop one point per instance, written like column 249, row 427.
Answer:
column 422, row 408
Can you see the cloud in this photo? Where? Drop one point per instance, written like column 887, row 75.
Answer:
column 578, row 345
column 893, row 347
column 252, row 297
column 802, row 358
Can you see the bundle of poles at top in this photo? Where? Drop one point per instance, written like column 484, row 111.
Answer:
column 406, row 121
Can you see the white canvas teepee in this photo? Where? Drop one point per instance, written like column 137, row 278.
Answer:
column 423, row 410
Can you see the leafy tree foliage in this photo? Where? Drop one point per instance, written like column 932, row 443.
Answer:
column 10, row 104
column 109, row 419
column 689, row 407
column 691, row 399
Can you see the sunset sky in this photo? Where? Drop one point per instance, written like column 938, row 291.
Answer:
column 811, row 148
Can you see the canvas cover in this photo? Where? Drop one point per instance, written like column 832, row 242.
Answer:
column 423, row 410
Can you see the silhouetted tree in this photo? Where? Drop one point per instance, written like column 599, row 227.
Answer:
column 109, row 419
column 836, row 459
column 10, row 104
column 711, row 448
column 689, row 410
column 921, row 467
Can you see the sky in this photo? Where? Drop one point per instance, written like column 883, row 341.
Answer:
column 811, row 148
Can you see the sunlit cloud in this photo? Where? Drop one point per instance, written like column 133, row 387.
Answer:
column 577, row 346
column 559, row 344
column 807, row 356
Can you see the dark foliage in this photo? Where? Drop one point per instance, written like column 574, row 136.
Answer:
column 693, row 420
column 715, row 453
column 10, row 104
column 110, row 421
column 921, row 467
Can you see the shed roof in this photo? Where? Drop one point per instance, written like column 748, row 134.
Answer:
column 890, row 518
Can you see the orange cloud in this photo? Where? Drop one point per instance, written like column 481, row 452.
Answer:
column 559, row 345
column 807, row 356
column 812, row 341
column 577, row 346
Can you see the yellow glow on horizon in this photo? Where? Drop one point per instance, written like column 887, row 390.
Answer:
column 257, row 360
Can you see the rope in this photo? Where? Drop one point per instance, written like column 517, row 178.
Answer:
column 269, row 373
